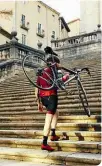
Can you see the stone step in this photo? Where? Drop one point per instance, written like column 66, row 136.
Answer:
column 60, row 126
column 30, row 89
column 5, row 162
column 85, row 80
column 25, row 93
column 60, row 102
column 32, row 106
column 73, row 83
column 73, row 94
column 16, row 84
column 62, row 145
column 31, row 97
column 64, row 135
column 61, row 119
column 54, row 158
column 74, row 91
column 25, row 81
column 66, row 111
column 88, row 88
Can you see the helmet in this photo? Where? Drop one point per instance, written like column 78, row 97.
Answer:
column 48, row 50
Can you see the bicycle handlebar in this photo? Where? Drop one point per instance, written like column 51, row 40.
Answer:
column 87, row 70
column 74, row 71
column 69, row 70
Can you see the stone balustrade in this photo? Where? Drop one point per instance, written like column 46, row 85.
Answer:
column 11, row 55
column 78, row 45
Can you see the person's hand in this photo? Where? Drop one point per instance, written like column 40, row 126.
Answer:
column 59, row 66
column 40, row 107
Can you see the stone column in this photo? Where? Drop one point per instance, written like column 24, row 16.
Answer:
column 99, row 33
column 13, row 48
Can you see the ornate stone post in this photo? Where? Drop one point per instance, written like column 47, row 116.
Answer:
column 13, row 48
column 99, row 33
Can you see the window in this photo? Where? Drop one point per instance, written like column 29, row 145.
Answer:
column 23, row 19
column 39, row 8
column 39, row 28
column 24, row 24
column 53, row 35
column 23, row 39
column 40, row 32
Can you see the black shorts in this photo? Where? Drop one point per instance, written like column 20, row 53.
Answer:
column 50, row 102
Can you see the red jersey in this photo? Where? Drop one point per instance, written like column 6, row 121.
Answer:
column 44, row 84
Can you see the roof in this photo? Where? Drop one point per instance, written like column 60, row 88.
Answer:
column 49, row 7
column 73, row 21
column 5, row 33
column 65, row 24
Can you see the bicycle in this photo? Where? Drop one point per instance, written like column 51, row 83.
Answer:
column 54, row 80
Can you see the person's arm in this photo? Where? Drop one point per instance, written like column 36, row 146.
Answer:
column 36, row 89
column 40, row 106
column 39, row 103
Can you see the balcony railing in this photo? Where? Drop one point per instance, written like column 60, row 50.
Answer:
column 40, row 33
column 24, row 25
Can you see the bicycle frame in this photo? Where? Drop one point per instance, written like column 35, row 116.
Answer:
column 58, row 82
column 55, row 79
column 75, row 77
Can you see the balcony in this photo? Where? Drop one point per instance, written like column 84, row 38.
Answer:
column 24, row 25
column 40, row 33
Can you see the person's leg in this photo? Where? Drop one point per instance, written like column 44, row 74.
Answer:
column 54, row 137
column 47, row 126
column 54, row 121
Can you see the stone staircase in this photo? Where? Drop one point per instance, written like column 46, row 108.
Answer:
column 21, row 125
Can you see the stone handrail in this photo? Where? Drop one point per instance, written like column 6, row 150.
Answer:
column 77, row 40
column 78, row 46
column 12, row 53
column 17, row 50
column 5, row 51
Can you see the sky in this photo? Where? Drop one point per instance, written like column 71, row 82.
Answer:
column 69, row 9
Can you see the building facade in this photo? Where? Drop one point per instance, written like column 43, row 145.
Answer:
column 90, row 15
column 35, row 22
column 74, row 27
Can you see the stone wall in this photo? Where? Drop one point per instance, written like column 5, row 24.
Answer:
column 78, row 46
column 80, row 50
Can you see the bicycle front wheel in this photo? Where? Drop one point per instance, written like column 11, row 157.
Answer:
column 34, row 65
column 83, row 98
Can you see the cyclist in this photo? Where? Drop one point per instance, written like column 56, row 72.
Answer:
column 49, row 99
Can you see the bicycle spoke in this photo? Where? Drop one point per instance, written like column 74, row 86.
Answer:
column 30, row 65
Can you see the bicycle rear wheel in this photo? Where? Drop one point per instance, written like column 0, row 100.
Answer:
column 83, row 98
column 32, row 66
